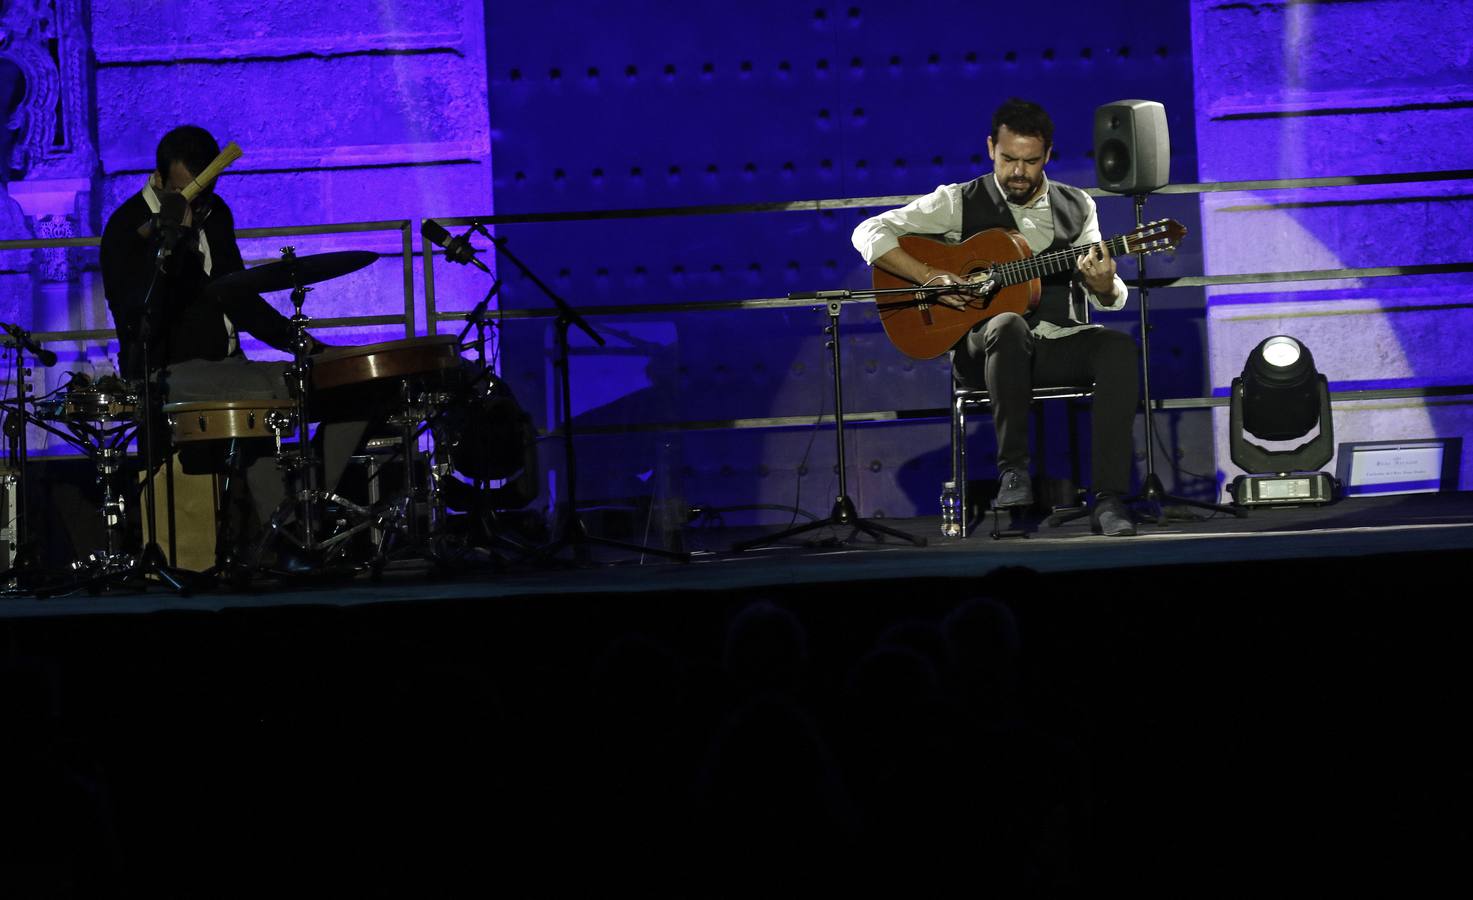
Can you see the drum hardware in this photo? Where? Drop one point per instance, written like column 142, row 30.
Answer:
column 23, row 574
column 402, row 512
column 99, row 420
column 99, row 423
column 464, row 441
column 9, row 539
column 415, row 380
column 319, row 542
column 100, row 426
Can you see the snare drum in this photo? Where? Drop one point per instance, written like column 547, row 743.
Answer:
column 343, row 366
column 218, row 420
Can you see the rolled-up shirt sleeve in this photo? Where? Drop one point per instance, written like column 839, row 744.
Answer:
column 936, row 213
column 1089, row 235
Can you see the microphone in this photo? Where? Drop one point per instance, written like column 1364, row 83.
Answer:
column 457, row 250
column 985, row 288
column 24, row 341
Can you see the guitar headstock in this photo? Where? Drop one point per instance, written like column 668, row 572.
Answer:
column 1152, row 237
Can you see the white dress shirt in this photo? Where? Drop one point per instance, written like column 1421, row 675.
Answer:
column 940, row 213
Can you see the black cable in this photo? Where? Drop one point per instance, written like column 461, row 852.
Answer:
column 803, row 463
column 1211, row 479
column 712, row 514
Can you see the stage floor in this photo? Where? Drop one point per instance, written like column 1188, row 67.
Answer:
column 1349, row 528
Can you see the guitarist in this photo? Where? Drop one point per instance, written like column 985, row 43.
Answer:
column 1008, row 354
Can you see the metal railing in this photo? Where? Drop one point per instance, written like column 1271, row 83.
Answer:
column 403, row 226
column 434, row 315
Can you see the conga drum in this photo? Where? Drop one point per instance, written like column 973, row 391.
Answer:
column 194, row 426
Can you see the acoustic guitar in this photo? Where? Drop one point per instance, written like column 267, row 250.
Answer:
column 1005, row 275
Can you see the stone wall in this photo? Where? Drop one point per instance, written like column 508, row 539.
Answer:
column 1316, row 89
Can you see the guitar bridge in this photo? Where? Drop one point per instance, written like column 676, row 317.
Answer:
column 925, row 308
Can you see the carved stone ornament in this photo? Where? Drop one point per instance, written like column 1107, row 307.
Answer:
column 45, row 39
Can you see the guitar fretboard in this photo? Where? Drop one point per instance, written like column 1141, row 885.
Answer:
column 1022, row 270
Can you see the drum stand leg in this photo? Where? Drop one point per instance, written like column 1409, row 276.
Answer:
column 228, row 565
column 431, row 543
column 304, row 500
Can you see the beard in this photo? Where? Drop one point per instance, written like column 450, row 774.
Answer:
column 1020, row 190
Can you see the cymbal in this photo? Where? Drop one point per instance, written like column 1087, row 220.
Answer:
column 286, row 274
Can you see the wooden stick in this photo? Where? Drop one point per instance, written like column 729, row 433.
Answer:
column 217, row 165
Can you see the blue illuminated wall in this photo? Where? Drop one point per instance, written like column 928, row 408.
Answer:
column 353, row 110
column 654, row 104
column 1312, row 89
column 347, row 111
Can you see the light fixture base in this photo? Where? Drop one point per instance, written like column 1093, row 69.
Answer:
column 1285, row 489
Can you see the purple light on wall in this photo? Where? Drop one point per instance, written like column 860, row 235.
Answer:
column 1312, row 89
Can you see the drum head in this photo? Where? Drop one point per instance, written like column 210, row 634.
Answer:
column 345, row 366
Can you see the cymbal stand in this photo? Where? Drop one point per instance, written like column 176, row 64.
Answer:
column 304, row 497
column 300, row 372
column 844, row 513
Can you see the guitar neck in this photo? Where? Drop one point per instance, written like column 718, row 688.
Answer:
column 1052, row 263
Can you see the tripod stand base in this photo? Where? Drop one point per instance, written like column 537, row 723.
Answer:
column 575, row 535
column 1153, row 495
column 122, row 570
column 843, row 515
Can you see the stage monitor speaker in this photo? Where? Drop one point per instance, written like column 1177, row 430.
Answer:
column 1132, row 147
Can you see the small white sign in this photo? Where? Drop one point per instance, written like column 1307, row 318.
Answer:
column 1405, row 469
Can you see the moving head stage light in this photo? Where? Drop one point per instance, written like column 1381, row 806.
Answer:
column 1280, row 397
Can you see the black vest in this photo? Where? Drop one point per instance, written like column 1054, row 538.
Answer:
column 983, row 208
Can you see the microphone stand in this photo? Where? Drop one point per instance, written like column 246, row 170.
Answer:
column 844, row 512
column 151, row 559
column 476, row 318
column 1153, row 493
column 572, row 532
column 491, row 525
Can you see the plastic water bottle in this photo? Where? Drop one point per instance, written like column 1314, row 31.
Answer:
column 951, row 510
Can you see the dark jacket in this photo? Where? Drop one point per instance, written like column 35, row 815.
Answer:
column 188, row 318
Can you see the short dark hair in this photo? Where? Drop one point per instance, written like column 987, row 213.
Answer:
column 1024, row 117
column 189, row 144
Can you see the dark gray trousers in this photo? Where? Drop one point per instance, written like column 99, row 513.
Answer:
column 1003, row 356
